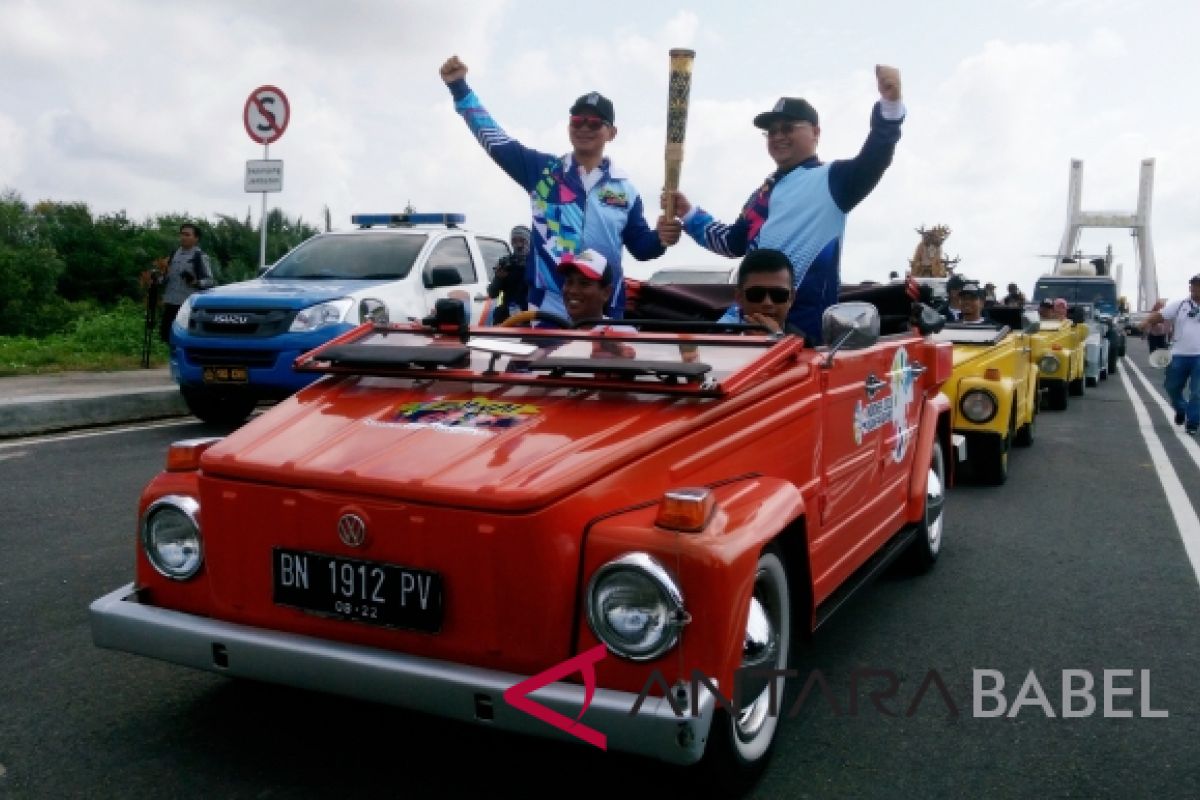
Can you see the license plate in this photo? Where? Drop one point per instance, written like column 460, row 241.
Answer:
column 226, row 375
column 389, row 595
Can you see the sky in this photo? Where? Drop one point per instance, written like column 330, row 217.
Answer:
column 136, row 106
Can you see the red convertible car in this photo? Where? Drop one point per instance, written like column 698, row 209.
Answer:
column 613, row 535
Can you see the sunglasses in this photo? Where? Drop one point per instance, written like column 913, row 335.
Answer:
column 786, row 128
column 591, row 123
column 756, row 294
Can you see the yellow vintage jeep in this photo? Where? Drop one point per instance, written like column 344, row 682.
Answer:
column 1058, row 353
column 993, row 393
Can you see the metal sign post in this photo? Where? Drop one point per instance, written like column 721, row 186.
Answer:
column 266, row 116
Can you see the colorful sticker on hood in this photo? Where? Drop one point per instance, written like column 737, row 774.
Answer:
column 892, row 408
column 479, row 412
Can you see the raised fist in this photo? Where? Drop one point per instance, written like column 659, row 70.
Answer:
column 889, row 82
column 453, row 69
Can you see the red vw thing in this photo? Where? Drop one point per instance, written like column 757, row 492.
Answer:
column 450, row 511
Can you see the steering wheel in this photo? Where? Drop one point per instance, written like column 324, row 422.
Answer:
column 522, row 318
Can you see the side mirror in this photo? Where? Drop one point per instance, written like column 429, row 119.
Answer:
column 927, row 319
column 849, row 326
column 439, row 277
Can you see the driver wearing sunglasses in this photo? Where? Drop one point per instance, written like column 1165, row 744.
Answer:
column 764, row 292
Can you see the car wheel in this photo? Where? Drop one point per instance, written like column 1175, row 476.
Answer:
column 927, row 546
column 218, row 408
column 1057, row 397
column 1024, row 436
column 1076, row 387
column 740, row 743
column 1113, row 355
column 987, row 455
column 1090, row 382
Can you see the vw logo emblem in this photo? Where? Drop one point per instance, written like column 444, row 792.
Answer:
column 352, row 530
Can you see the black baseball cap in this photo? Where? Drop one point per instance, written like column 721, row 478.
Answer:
column 1195, row 278
column 598, row 104
column 971, row 288
column 796, row 109
column 1047, row 302
column 955, row 282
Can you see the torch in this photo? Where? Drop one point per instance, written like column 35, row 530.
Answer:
column 679, row 87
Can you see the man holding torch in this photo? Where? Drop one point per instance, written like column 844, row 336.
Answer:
column 801, row 208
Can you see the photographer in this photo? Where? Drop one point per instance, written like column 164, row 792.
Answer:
column 509, row 278
column 188, row 272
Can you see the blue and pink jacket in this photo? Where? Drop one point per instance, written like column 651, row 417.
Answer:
column 567, row 218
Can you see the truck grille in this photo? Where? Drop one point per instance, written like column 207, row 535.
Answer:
column 239, row 322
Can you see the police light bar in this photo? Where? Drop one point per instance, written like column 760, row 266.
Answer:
column 369, row 220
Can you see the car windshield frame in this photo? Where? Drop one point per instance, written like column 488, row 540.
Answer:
column 610, row 358
column 359, row 256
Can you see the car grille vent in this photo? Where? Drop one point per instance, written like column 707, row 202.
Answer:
column 239, row 322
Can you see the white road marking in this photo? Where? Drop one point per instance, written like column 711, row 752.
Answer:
column 1189, row 442
column 1185, row 514
column 18, row 454
column 66, row 437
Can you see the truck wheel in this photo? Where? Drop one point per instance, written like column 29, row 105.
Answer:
column 1076, row 388
column 924, row 551
column 1113, row 355
column 217, row 407
column 1092, row 381
column 740, row 743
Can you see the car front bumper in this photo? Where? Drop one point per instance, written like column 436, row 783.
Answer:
column 120, row 621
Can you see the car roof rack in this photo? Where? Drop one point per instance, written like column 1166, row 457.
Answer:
column 408, row 220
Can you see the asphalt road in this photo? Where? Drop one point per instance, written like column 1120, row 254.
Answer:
column 1076, row 563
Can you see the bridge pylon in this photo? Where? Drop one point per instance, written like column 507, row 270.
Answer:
column 1138, row 223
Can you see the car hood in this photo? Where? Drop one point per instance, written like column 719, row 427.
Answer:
column 512, row 449
column 270, row 293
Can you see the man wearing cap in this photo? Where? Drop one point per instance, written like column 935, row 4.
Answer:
column 509, row 277
column 801, row 208
column 953, row 311
column 1046, row 309
column 580, row 200
column 1184, row 369
column 970, row 299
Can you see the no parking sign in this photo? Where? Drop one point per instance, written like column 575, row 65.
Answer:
column 266, row 114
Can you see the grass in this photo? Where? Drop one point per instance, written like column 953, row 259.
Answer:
column 100, row 340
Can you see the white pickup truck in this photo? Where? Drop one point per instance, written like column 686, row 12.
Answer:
column 234, row 345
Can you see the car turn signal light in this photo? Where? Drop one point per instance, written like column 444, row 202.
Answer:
column 184, row 455
column 991, row 374
column 687, row 509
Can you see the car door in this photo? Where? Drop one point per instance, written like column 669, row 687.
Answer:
column 857, row 400
column 451, row 271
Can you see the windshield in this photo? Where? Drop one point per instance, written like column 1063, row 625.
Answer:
column 358, row 256
column 1101, row 294
column 648, row 362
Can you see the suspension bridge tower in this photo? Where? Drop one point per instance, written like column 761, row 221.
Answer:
column 1137, row 222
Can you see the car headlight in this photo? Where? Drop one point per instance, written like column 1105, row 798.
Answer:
column 185, row 313
column 372, row 310
column 978, row 405
column 635, row 608
column 320, row 315
column 171, row 536
column 1048, row 364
